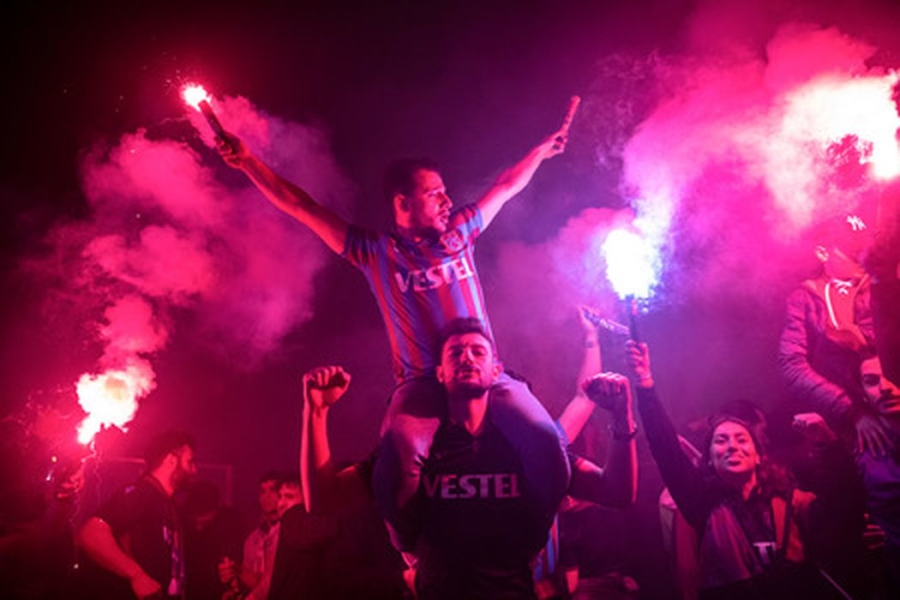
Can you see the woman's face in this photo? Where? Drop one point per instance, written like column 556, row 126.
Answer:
column 732, row 450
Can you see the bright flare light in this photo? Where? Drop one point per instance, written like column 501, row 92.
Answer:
column 831, row 108
column 194, row 94
column 110, row 399
column 197, row 97
column 632, row 263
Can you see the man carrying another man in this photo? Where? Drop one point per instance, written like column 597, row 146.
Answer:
column 423, row 275
column 479, row 519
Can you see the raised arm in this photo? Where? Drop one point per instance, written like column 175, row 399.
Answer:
column 614, row 485
column 684, row 480
column 288, row 197
column 97, row 540
column 579, row 409
column 324, row 489
column 514, row 179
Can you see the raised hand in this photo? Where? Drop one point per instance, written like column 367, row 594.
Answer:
column 638, row 356
column 609, row 391
column 872, row 436
column 813, row 427
column 554, row 144
column 233, row 150
column 325, row 385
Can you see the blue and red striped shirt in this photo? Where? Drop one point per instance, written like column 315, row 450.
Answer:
column 420, row 286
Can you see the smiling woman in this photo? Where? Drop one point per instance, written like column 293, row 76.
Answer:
column 734, row 453
column 751, row 525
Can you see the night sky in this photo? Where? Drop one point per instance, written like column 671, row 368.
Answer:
column 472, row 85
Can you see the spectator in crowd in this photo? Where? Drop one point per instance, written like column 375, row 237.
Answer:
column 828, row 331
column 290, row 500
column 245, row 571
column 40, row 481
column 211, row 532
column 136, row 539
column 881, row 474
column 479, row 523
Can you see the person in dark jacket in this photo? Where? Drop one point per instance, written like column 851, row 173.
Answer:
column 828, row 332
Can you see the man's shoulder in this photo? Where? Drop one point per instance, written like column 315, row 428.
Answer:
column 359, row 232
column 467, row 217
column 805, row 294
column 132, row 491
column 142, row 495
column 806, row 288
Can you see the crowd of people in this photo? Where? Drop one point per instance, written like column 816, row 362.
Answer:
column 473, row 489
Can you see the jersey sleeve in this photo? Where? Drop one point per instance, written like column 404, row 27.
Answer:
column 361, row 246
column 469, row 221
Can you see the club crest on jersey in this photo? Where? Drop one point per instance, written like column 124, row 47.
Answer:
column 452, row 241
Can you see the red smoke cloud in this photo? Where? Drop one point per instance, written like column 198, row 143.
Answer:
column 165, row 232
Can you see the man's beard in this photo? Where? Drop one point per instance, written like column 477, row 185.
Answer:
column 469, row 389
column 179, row 477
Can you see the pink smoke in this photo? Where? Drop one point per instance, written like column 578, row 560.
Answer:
column 745, row 154
column 165, row 232
column 729, row 150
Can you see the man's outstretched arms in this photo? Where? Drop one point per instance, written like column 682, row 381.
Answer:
column 290, row 198
column 514, row 179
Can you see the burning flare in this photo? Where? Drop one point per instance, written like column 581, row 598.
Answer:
column 194, row 94
column 110, row 398
column 632, row 263
column 197, row 97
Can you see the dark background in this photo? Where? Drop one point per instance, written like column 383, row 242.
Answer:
column 471, row 84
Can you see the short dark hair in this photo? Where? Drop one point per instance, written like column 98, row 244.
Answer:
column 165, row 443
column 289, row 478
column 462, row 326
column 398, row 177
column 270, row 476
